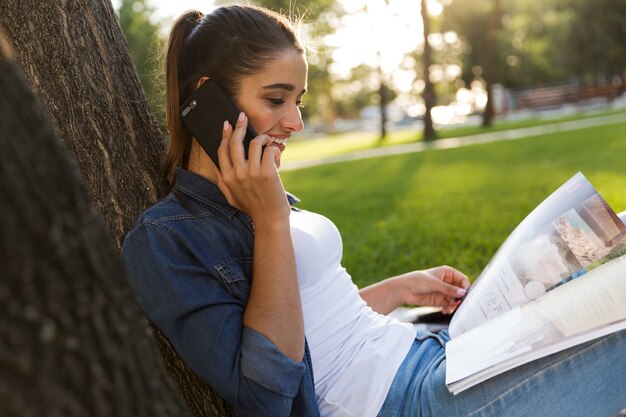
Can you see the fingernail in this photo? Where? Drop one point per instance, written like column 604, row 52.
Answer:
column 242, row 116
column 226, row 124
column 461, row 291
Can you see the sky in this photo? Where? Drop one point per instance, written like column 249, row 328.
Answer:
column 367, row 28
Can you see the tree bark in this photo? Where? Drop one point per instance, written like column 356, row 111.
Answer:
column 71, row 328
column 73, row 341
column 77, row 61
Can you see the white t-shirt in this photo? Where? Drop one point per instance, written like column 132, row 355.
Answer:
column 355, row 351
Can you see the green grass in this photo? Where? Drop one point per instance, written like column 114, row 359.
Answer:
column 327, row 146
column 453, row 206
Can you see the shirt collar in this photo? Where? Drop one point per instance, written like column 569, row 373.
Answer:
column 199, row 188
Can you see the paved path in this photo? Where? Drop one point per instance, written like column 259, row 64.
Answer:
column 462, row 141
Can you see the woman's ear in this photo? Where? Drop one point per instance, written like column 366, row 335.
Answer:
column 201, row 81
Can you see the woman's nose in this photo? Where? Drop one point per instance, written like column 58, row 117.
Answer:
column 292, row 120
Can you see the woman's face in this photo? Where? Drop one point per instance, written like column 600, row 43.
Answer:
column 272, row 98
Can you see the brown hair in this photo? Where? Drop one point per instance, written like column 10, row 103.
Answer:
column 227, row 44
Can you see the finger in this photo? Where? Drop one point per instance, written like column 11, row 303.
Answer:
column 271, row 155
column 454, row 276
column 453, row 306
column 223, row 153
column 448, row 309
column 448, row 305
column 255, row 151
column 237, row 153
column 448, row 289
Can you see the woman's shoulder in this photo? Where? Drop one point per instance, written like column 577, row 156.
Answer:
column 185, row 219
column 172, row 213
column 177, row 206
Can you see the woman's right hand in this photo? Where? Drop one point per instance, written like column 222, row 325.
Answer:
column 251, row 185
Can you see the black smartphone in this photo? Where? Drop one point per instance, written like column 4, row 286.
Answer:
column 204, row 114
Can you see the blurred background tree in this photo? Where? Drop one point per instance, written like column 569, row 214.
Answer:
column 146, row 42
column 531, row 43
column 427, row 63
column 596, row 39
column 477, row 24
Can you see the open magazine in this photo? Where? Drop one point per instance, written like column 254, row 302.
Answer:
column 557, row 281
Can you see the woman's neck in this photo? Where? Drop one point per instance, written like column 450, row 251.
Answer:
column 201, row 164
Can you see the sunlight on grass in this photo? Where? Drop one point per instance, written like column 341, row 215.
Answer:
column 452, row 206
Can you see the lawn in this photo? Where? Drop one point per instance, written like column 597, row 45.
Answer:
column 453, row 206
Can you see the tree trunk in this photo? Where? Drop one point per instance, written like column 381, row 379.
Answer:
column 74, row 342
column 77, row 61
column 382, row 102
column 73, row 332
column 429, row 90
column 490, row 62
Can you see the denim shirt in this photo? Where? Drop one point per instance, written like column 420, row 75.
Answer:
column 189, row 261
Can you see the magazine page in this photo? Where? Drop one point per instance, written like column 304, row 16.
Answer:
column 582, row 310
column 522, row 358
column 570, row 233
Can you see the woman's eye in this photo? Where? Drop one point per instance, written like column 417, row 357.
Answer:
column 280, row 101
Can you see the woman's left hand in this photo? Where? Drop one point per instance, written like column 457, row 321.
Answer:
column 442, row 286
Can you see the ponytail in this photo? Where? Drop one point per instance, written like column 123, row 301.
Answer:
column 179, row 145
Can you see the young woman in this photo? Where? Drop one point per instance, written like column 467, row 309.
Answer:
column 251, row 292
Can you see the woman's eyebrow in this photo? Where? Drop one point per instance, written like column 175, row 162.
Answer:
column 283, row 86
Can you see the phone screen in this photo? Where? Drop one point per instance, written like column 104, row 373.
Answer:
column 204, row 114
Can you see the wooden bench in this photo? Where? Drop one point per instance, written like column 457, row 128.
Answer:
column 555, row 96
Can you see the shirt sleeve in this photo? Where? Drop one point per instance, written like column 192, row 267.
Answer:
column 204, row 323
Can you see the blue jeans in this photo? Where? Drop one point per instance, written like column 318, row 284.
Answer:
column 587, row 380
